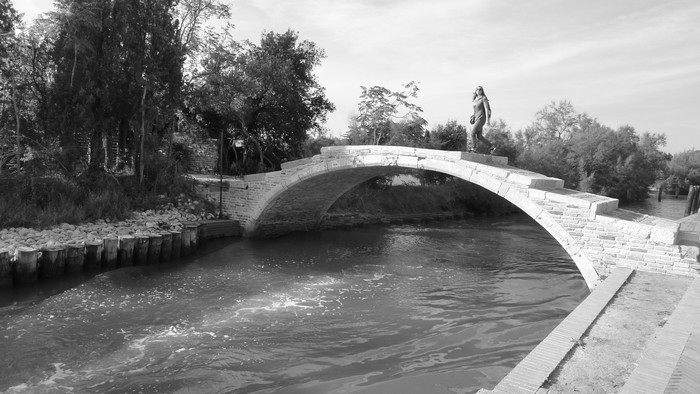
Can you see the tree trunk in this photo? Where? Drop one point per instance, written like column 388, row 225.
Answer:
column 244, row 130
column 143, row 134
column 17, row 124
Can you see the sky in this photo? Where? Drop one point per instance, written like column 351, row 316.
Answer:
column 622, row 62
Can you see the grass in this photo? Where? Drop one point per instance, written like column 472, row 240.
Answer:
column 40, row 202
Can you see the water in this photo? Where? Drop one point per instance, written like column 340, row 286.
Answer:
column 441, row 308
column 668, row 208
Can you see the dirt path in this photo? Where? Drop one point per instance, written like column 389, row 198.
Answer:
column 609, row 351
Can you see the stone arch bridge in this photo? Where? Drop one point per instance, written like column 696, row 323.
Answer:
column 591, row 228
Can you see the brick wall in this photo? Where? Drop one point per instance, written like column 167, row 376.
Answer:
column 204, row 157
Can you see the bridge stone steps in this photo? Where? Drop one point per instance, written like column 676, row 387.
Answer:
column 594, row 203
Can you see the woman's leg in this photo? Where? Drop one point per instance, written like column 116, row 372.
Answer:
column 471, row 140
column 485, row 141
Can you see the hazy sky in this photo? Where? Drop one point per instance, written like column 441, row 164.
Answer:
column 634, row 62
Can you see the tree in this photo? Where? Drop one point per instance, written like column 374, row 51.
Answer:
column 408, row 133
column 451, row 136
column 266, row 95
column 107, row 54
column 683, row 171
column 379, row 107
column 500, row 134
column 556, row 121
column 550, row 159
column 190, row 17
column 11, row 81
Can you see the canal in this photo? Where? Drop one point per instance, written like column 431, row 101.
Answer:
column 443, row 307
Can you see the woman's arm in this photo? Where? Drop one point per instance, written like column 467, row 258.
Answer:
column 487, row 107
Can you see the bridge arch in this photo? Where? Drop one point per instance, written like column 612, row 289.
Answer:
column 301, row 196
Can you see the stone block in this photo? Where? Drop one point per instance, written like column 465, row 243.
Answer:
column 255, row 177
column 295, row 163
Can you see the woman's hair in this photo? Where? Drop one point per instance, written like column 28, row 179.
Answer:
column 482, row 92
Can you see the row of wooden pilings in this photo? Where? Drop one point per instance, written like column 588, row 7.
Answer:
column 29, row 265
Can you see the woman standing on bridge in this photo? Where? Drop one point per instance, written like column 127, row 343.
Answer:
column 481, row 116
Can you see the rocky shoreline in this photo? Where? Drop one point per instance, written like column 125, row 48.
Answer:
column 28, row 255
column 141, row 223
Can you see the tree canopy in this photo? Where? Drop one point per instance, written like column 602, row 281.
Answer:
column 265, row 95
column 103, row 86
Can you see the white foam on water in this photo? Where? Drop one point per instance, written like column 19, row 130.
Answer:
column 48, row 385
column 301, row 298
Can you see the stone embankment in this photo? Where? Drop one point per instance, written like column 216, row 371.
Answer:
column 27, row 255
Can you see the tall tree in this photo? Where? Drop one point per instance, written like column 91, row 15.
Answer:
column 266, row 95
column 556, row 121
column 107, row 54
column 379, row 107
column 10, row 78
column 190, row 19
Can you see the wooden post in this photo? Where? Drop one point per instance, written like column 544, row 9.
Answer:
column 53, row 262
column 177, row 245
column 110, row 252
column 166, row 247
column 185, row 241
column 141, row 249
column 5, row 268
column 194, row 236
column 154, row 245
column 689, row 201
column 75, row 258
column 125, row 256
column 661, row 190
column 93, row 255
column 24, row 269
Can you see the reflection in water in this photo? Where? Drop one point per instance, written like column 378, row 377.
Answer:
column 449, row 307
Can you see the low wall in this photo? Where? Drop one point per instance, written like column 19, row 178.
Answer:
column 29, row 265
